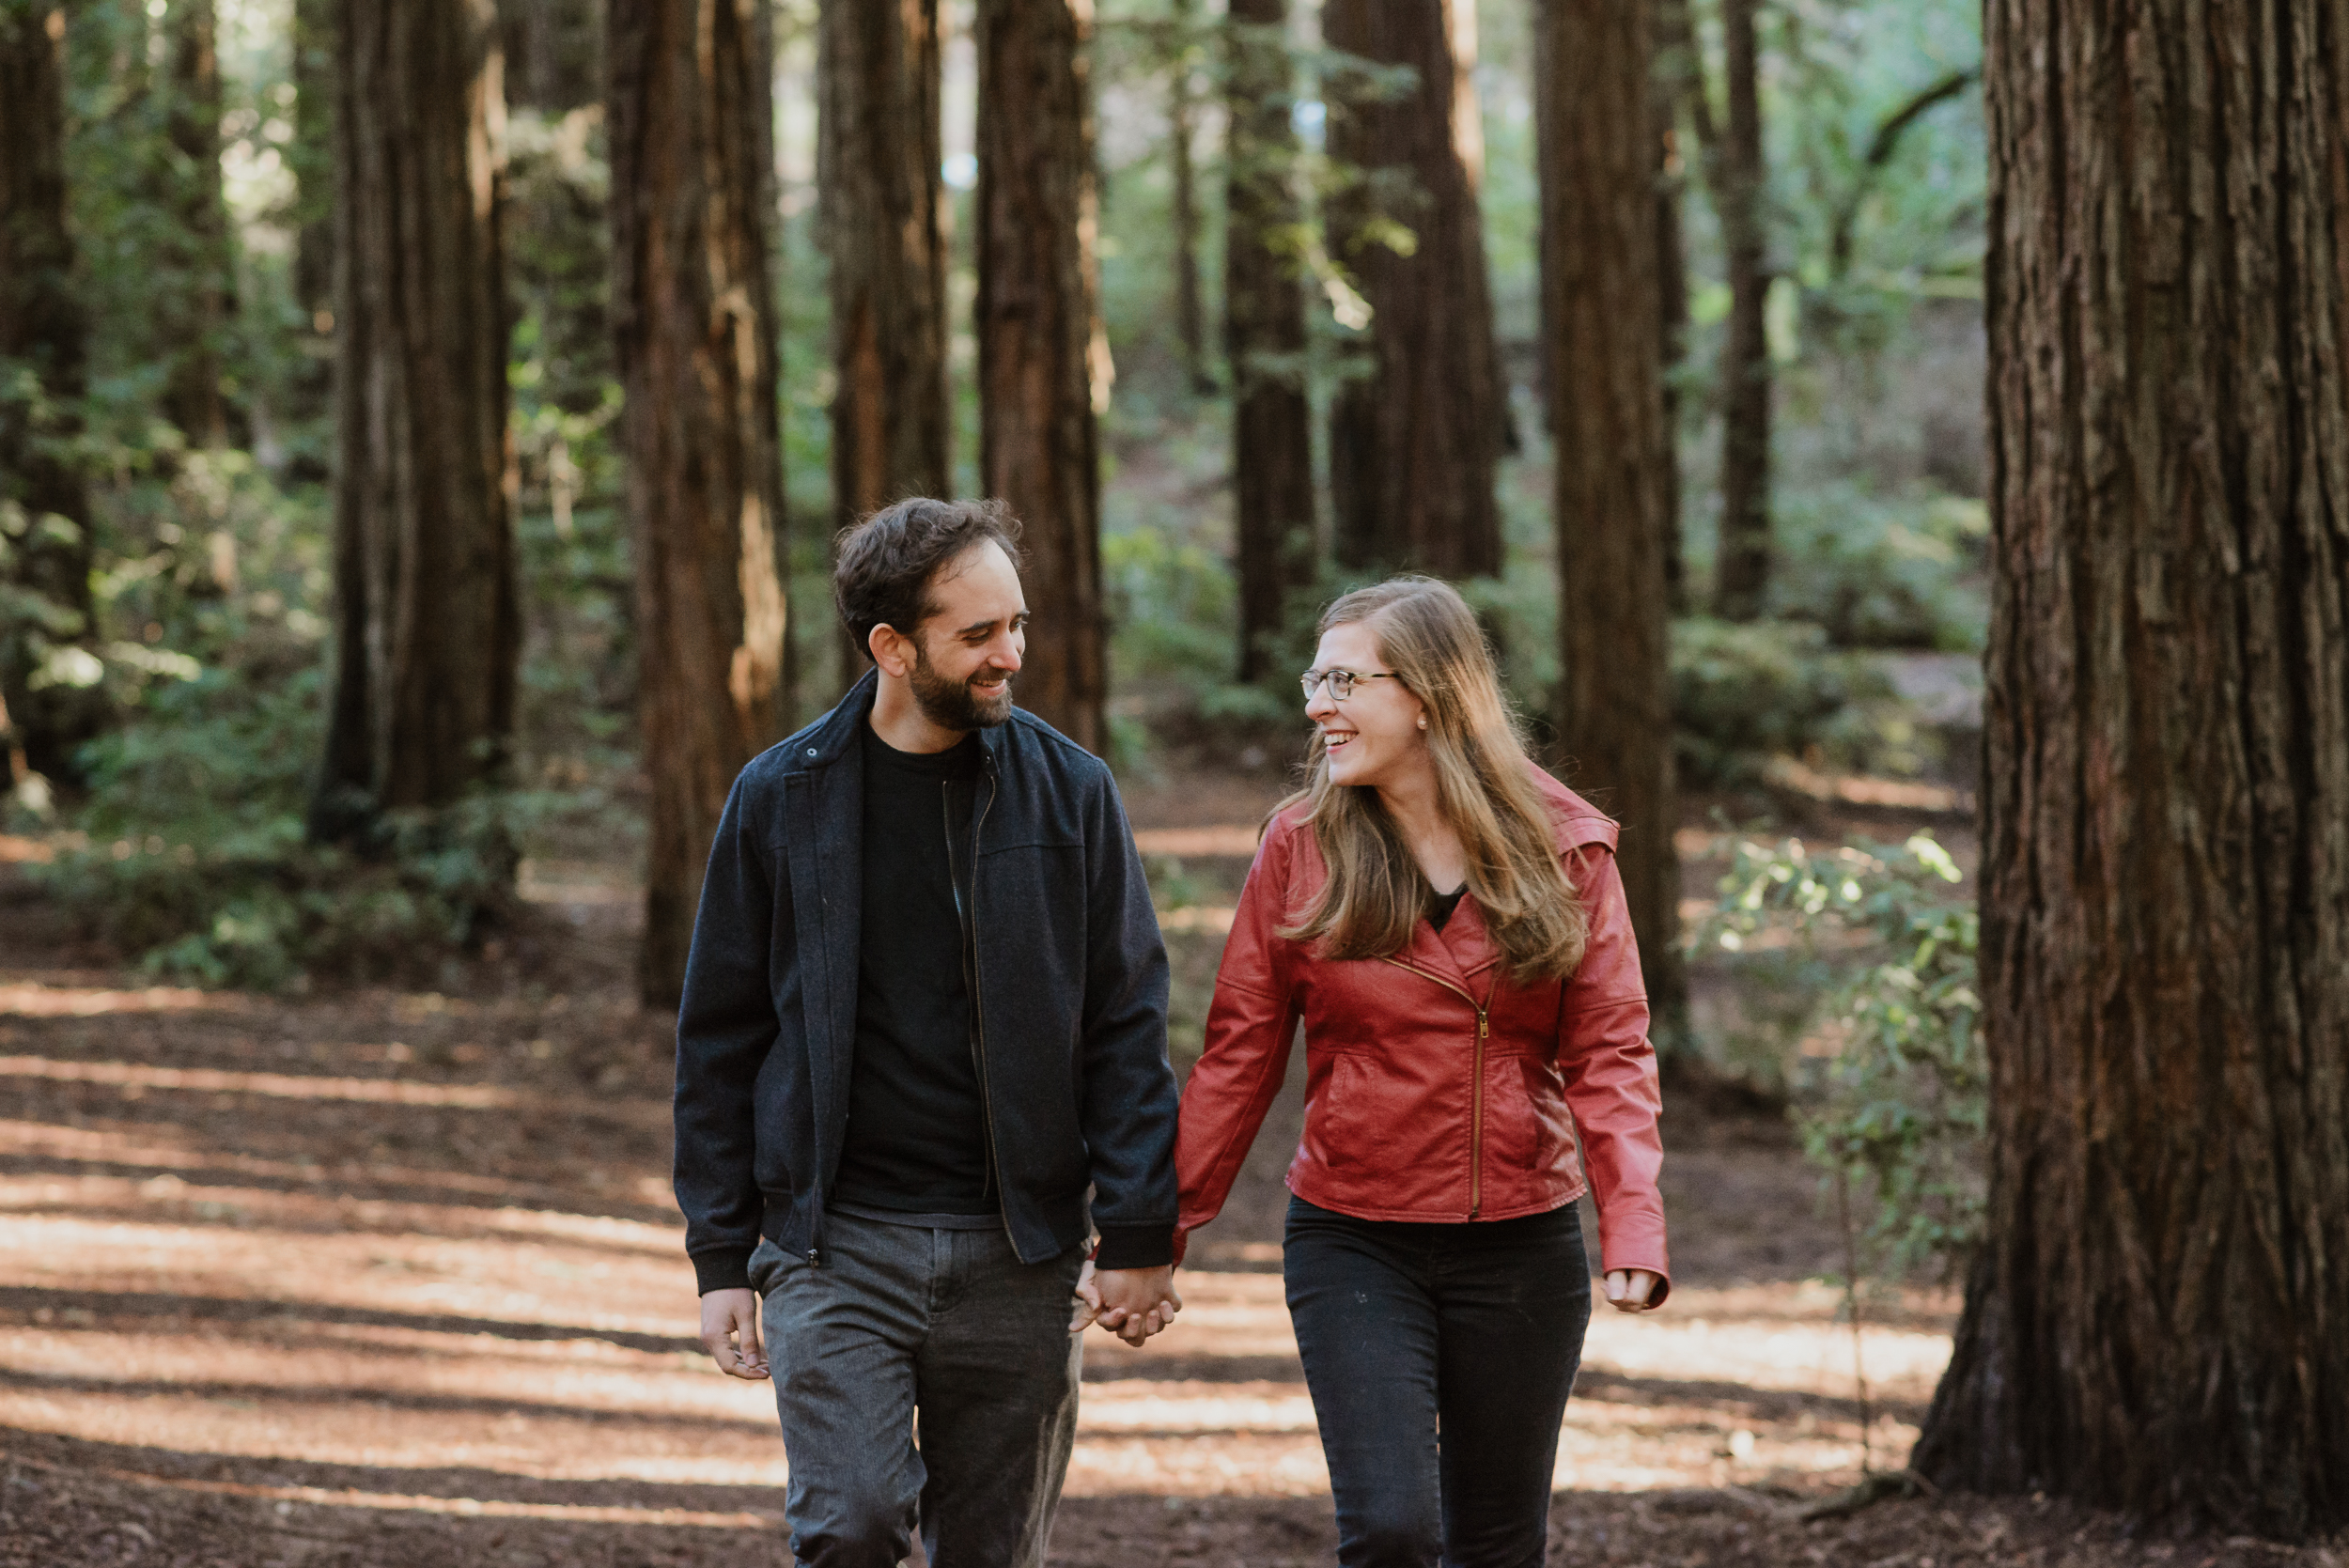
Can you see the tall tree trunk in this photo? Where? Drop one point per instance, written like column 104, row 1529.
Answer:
column 690, row 114
column 877, row 71
column 2159, row 1317
column 1741, row 589
column 1044, row 367
column 429, row 620
column 1601, row 309
column 1413, row 443
column 1678, row 78
column 1182, row 106
column 311, row 155
column 553, row 54
column 1263, row 329
column 196, row 307
column 44, row 509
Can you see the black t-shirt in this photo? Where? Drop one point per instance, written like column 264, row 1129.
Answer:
column 916, row 1139
column 1441, row 904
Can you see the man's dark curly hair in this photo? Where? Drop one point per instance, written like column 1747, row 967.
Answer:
column 886, row 564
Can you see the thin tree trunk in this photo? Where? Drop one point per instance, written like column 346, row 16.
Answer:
column 1044, row 367
column 1677, row 78
column 1413, row 443
column 196, row 260
column 1741, row 589
column 1601, row 306
column 428, row 621
column 1182, row 126
column 553, row 54
column 1263, row 330
column 44, row 507
column 311, row 155
column 689, row 114
column 878, row 158
column 2159, row 1317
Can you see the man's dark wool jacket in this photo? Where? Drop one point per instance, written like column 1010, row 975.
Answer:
column 1071, row 1002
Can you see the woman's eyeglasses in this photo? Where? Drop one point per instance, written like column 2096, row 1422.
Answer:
column 1340, row 682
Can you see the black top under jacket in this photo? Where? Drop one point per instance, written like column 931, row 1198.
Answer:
column 1070, row 994
column 916, row 1141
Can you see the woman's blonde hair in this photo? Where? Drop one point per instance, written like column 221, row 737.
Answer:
column 1376, row 890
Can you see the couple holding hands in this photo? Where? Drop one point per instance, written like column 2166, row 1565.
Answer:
column 922, row 1098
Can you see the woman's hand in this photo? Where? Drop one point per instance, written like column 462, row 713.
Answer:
column 1628, row 1289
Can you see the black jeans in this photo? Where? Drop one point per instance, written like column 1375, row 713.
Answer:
column 903, row 1321
column 1439, row 1358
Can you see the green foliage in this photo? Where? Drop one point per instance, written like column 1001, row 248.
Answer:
column 1862, row 960
column 1743, row 694
column 1898, row 571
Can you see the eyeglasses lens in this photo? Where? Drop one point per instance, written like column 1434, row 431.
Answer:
column 1340, row 682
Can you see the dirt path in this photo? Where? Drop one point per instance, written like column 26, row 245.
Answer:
column 394, row 1279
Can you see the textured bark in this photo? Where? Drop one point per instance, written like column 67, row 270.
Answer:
column 429, row 624
column 1263, row 329
column 1413, row 445
column 690, row 118
column 1742, row 585
column 195, row 308
column 879, row 183
column 44, row 507
column 553, row 54
column 311, row 155
column 1182, row 115
column 2158, row 1318
column 1601, row 309
column 1675, row 81
column 1044, row 367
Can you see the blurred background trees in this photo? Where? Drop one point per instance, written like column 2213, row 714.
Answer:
column 388, row 490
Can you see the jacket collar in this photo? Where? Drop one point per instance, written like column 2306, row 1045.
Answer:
column 825, row 741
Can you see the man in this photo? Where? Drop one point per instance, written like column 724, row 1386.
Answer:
column 925, row 1017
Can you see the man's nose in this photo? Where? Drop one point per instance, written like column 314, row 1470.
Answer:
column 1005, row 653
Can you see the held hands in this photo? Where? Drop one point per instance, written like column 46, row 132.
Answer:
column 1132, row 1303
column 730, row 1333
column 1627, row 1290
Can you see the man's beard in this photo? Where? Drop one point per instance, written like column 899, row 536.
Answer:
column 951, row 705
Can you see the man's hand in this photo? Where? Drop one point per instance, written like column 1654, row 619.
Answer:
column 1630, row 1289
column 730, row 1333
column 1132, row 1303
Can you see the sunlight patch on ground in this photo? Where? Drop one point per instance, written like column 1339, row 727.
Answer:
column 33, row 1000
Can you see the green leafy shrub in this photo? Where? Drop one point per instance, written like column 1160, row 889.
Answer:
column 1901, row 571
column 1745, row 693
column 190, row 850
column 1867, row 955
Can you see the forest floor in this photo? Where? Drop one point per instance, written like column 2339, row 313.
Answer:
column 386, row 1277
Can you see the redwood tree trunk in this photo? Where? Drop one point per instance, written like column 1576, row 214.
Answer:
column 311, row 155
column 1413, row 445
column 428, row 623
column 1044, row 367
column 44, row 509
column 1263, row 329
column 1182, row 112
column 195, row 251
column 1741, row 590
column 1602, row 310
column 879, row 183
column 553, row 54
column 690, row 115
column 2158, row 1318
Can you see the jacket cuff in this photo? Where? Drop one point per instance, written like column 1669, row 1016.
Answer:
column 722, row 1268
column 1135, row 1247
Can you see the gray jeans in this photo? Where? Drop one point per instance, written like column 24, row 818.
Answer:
column 901, row 1321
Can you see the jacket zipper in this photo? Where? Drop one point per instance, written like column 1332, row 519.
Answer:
column 979, row 1014
column 1476, row 1087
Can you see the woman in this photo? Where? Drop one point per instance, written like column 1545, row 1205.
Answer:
column 1447, row 922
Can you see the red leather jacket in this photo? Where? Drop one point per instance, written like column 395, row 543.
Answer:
column 1433, row 1089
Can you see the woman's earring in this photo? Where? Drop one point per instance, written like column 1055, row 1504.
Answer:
column 1422, row 720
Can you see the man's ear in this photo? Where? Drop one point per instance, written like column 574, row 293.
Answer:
column 890, row 650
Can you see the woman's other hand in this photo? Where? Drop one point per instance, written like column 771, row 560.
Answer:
column 1628, row 1289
